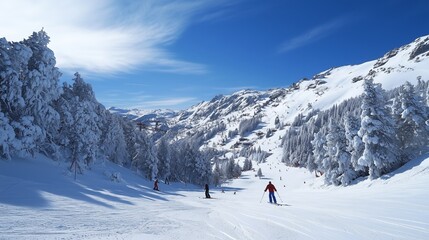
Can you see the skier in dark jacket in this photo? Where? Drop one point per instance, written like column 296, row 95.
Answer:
column 155, row 185
column 206, row 188
column 271, row 189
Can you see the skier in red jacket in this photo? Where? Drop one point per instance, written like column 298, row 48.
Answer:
column 271, row 189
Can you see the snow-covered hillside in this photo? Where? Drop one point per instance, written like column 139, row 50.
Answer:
column 407, row 63
column 41, row 200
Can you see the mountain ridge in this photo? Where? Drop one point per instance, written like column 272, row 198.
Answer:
column 325, row 89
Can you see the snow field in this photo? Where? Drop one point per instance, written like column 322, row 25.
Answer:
column 39, row 199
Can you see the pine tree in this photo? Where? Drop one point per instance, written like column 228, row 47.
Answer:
column 412, row 114
column 217, row 174
column 355, row 145
column 14, row 58
column 330, row 164
column 277, row 123
column 247, row 165
column 203, row 170
column 259, row 173
column 7, row 137
column 145, row 159
column 40, row 88
column 164, row 159
column 79, row 129
column 237, row 170
column 319, row 151
column 380, row 155
column 130, row 135
column 86, row 119
column 190, row 158
column 14, row 61
column 113, row 142
column 230, row 168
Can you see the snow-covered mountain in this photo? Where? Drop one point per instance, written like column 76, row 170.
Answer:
column 144, row 115
column 225, row 113
column 43, row 199
column 151, row 120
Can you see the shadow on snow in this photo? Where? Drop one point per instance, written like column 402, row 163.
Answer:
column 31, row 183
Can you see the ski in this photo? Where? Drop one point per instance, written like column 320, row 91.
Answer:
column 279, row 204
column 282, row 204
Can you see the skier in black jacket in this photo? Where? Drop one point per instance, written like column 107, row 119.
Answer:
column 206, row 187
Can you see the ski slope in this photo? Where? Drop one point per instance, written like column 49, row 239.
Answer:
column 39, row 199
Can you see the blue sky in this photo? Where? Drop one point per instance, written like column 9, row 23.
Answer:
column 174, row 54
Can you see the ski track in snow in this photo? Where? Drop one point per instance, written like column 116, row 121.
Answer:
column 49, row 204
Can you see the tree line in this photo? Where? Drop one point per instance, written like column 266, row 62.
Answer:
column 66, row 122
column 370, row 135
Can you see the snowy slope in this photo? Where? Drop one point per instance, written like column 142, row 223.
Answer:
column 40, row 200
column 225, row 113
column 333, row 86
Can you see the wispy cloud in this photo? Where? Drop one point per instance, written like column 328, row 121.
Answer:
column 170, row 103
column 313, row 35
column 107, row 36
column 229, row 90
column 143, row 100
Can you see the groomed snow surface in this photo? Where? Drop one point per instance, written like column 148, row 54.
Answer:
column 39, row 199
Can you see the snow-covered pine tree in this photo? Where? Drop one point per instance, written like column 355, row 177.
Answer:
column 203, row 170
column 217, row 173
column 130, row 134
column 7, row 137
column 79, row 133
column 40, row 88
column 28, row 135
column 247, row 125
column 343, row 156
column 13, row 61
column 247, row 165
column 297, row 147
column 145, row 159
column 237, row 170
column 190, row 155
column 412, row 114
column 86, row 119
column 14, row 58
column 355, row 145
column 259, row 173
column 377, row 132
column 319, row 151
column 277, row 122
column 14, row 87
column 113, row 143
column 330, row 164
column 230, row 168
column 176, row 161
column 63, row 106
column 421, row 88
column 164, row 159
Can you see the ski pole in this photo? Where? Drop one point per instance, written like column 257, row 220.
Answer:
column 279, row 196
column 262, row 197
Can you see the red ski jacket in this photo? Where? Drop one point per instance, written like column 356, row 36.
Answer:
column 270, row 187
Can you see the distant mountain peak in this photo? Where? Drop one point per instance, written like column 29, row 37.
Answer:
column 225, row 113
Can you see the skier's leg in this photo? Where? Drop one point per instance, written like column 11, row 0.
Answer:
column 270, row 195
column 274, row 198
